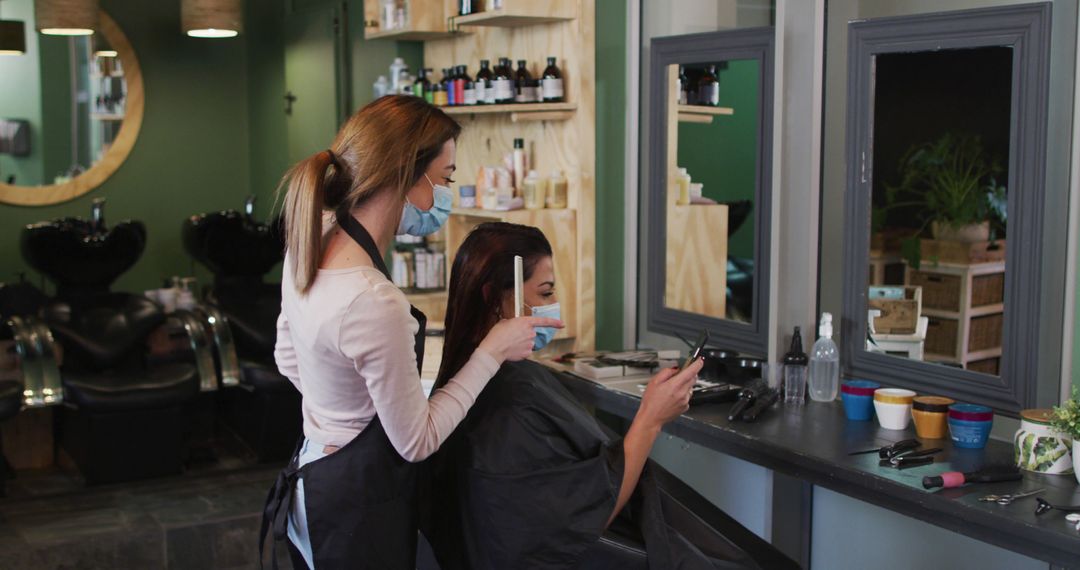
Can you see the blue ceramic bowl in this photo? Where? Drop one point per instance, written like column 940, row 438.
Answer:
column 858, row 398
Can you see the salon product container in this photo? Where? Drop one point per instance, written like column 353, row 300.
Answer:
column 551, row 85
column 931, row 414
column 824, row 369
column 858, row 398
column 468, row 196
column 532, row 190
column 1040, row 448
column 893, row 407
column 795, row 362
column 969, row 425
column 557, row 191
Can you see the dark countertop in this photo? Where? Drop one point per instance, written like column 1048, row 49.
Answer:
column 811, row 442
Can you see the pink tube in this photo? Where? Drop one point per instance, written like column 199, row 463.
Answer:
column 952, row 479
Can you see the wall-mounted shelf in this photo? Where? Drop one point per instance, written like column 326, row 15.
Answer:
column 432, row 303
column 408, row 35
column 519, row 112
column 106, row 117
column 506, row 19
column 701, row 113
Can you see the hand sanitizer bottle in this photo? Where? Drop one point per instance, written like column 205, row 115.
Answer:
column 824, row 364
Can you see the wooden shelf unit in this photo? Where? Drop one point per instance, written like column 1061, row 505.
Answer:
column 427, row 21
column 519, row 13
column 961, row 300
column 701, row 113
column 519, row 112
column 558, row 136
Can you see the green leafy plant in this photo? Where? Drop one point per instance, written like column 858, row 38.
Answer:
column 950, row 181
column 1066, row 418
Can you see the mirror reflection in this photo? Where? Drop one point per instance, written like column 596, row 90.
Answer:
column 938, row 220
column 713, row 132
column 64, row 100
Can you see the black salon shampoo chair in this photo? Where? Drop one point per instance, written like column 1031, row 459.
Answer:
column 240, row 251
column 123, row 416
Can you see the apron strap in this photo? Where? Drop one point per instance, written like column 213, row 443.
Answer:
column 361, row 236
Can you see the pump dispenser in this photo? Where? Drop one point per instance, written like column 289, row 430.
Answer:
column 795, row 362
column 824, row 364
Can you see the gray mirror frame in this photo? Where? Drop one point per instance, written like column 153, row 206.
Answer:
column 749, row 43
column 1026, row 28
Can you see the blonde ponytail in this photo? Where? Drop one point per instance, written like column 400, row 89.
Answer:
column 304, row 204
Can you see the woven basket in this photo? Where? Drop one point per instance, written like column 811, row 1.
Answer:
column 985, row 332
column 940, row 292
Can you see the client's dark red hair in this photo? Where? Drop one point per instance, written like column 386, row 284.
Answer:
column 483, row 272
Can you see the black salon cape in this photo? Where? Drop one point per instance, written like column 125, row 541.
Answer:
column 529, row 479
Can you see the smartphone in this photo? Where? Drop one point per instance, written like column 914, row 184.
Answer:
column 695, row 353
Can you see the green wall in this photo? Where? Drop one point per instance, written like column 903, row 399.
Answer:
column 611, row 53
column 20, row 96
column 192, row 154
column 722, row 155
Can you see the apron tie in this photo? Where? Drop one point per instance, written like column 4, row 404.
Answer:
column 275, row 518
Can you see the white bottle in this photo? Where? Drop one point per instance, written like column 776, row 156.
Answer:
column 824, row 364
column 395, row 74
column 382, row 86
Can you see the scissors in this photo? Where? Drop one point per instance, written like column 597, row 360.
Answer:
column 1008, row 499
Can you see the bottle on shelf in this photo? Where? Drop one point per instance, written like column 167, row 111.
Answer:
column 520, row 166
column 684, row 85
column 824, row 363
column 422, row 87
column 795, row 362
column 504, row 85
column 389, row 15
column 406, row 83
column 522, row 78
column 482, row 78
column 448, row 85
column 461, row 77
column 558, row 191
column 709, row 88
column 470, row 93
column 395, row 74
column 551, row 84
column 682, row 183
column 533, row 191
column 401, row 20
column 438, row 95
column 466, row 7
column 381, row 86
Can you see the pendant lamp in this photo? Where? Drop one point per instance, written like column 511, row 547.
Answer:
column 66, row 17
column 12, row 37
column 212, row 18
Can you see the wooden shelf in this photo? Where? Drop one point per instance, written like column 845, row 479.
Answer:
column 106, row 117
column 519, row 112
column 503, row 215
column 505, row 19
column 408, row 35
column 701, row 113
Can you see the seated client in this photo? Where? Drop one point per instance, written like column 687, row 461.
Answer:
column 530, row 479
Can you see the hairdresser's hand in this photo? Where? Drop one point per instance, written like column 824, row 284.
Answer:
column 512, row 339
column 668, row 395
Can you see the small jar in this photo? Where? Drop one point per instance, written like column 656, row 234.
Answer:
column 969, row 425
column 468, row 197
column 893, row 407
column 858, row 398
column 931, row 415
column 1040, row 448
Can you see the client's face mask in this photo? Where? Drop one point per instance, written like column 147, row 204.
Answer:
column 545, row 334
column 417, row 222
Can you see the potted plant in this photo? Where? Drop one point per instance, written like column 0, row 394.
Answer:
column 951, row 185
column 1066, row 419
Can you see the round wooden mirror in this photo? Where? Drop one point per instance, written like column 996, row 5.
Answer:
column 104, row 110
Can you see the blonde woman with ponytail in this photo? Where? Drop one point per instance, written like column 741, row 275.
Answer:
column 352, row 345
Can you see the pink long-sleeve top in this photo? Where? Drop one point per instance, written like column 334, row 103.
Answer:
column 347, row 346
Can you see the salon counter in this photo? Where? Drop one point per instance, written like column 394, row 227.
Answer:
column 812, row 443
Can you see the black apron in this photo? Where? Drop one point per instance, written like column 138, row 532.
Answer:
column 360, row 500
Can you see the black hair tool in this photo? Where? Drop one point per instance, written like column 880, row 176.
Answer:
column 1043, row 506
column 992, row 474
column 747, row 396
column 761, row 403
column 891, row 450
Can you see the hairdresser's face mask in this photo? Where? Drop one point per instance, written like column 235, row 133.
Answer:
column 417, row 222
column 545, row 334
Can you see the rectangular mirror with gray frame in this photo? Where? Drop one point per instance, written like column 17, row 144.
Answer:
column 946, row 154
column 708, row 193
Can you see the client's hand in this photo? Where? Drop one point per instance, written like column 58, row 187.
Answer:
column 512, row 339
column 668, row 394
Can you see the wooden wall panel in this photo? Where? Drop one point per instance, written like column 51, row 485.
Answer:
column 568, row 145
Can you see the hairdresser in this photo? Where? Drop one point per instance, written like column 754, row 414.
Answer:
column 349, row 341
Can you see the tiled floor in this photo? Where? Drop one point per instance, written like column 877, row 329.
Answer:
column 194, row 521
